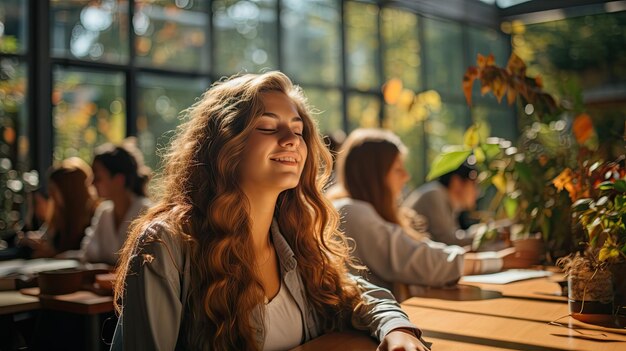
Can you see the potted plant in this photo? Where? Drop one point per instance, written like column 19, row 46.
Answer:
column 596, row 275
column 522, row 173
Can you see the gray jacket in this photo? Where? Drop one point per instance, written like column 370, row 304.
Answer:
column 391, row 254
column 431, row 200
column 158, row 281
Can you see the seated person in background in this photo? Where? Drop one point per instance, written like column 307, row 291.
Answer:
column 71, row 205
column 371, row 175
column 442, row 200
column 120, row 178
column 242, row 251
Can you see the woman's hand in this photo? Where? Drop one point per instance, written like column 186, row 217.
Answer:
column 401, row 340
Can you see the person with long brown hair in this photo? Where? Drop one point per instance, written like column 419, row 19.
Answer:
column 371, row 176
column 242, row 251
column 71, row 205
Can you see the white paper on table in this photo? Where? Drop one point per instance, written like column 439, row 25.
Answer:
column 512, row 275
column 30, row 267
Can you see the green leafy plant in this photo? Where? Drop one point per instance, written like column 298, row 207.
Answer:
column 555, row 136
column 602, row 210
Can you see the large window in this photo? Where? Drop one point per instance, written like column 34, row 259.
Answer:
column 401, row 47
column 14, row 141
column 92, row 31
column 311, row 40
column 161, row 100
column 245, row 35
column 362, row 46
column 89, row 109
column 172, row 34
column 119, row 68
column 13, row 26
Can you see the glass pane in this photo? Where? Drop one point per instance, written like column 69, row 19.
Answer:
column 245, row 35
column 88, row 109
column 401, row 47
column 13, row 26
column 409, row 125
column 326, row 105
column 14, row 142
column 362, row 45
column 90, row 30
column 501, row 120
column 363, row 111
column 487, row 41
column 172, row 34
column 444, row 56
column 446, row 128
column 161, row 99
column 310, row 39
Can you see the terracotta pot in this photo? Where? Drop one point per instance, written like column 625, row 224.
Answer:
column 531, row 248
column 619, row 283
column 590, row 292
column 60, row 281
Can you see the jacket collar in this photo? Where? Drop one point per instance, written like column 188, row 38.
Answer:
column 283, row 250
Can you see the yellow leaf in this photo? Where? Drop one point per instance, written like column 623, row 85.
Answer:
column 604, row 254
column 499, row 181
column 479, row 154
column 406, row 99
column 392, row 90
column 471, row 137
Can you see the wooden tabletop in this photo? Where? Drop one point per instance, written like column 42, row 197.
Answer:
column 354, row 341
column 81, row 302
column 524, row 309
column 547, row 288
column 495, row 329
column 14, row 302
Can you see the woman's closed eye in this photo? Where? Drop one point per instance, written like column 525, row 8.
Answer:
column 267, row 130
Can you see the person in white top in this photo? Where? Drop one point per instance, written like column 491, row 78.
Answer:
column 120, row 178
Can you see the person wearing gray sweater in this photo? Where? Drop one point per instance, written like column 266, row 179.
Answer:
column 371, row 175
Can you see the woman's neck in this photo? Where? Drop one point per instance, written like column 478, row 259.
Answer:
column 121, row 204
column 261, row 215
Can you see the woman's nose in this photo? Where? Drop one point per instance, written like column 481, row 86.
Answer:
column 289, row 139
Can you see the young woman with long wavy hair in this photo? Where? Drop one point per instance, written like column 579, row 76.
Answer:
column 242, row 251
column 371, row 176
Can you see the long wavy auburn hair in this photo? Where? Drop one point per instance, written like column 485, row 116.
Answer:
column 202, row 201
column 364, row 161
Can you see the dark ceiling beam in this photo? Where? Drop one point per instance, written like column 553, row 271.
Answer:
column 474, row 12
column 537, row 11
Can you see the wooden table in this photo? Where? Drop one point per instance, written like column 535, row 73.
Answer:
column 513, row 316
column 81, row 302
column 512, row 333
column 547, row 288
column 353, row 341
column 13, row 302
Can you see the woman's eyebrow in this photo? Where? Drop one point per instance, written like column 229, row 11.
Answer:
column 273, row 115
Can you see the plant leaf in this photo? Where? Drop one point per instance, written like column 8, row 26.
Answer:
column 499, row 182
column 447, row 162
column 607, row 185
column 468, row 81
column 490, row 150
column 510, row 207
column 581, row 205
column 471, row 138
column 620, row 185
